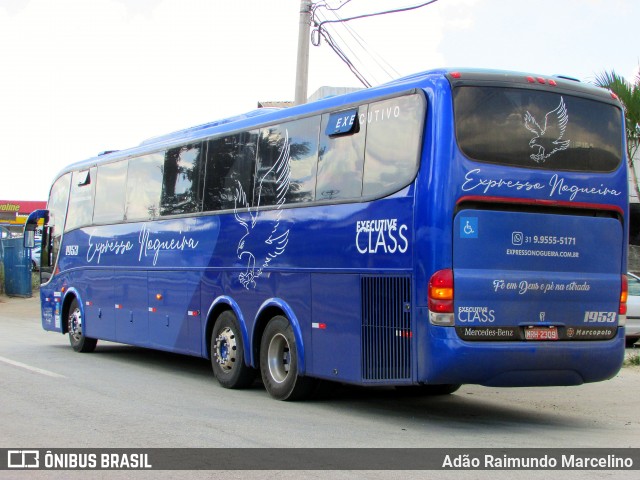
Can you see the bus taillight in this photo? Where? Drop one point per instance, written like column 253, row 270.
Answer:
column 441, row 297
column 624, row 293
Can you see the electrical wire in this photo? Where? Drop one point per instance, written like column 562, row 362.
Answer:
column 382, row 64
column 367, row 15
column 320, row 32
column 336, row 48
column 346, row 51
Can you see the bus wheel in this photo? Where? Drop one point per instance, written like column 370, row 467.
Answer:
column 428, row 390
column 227, row 353
column 78, row 341
column 279, row 362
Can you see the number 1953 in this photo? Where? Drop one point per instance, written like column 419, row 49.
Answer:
column 599, row 317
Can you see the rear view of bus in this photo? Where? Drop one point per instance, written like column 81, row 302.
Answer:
column 532, row 290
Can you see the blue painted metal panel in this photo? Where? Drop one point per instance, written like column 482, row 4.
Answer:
column 174, row 311
column 517, row 269
column 99, row 308
column 335, row 336
column 131, row 308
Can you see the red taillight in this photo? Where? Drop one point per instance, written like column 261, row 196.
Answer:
column 441, row 291
column 624, row 293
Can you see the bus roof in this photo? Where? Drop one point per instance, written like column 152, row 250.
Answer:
column 265, row 116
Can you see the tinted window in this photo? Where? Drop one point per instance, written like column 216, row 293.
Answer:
column 341, row 157
column 394, row 138
column 537, row 129
column 57, row 207
column 229, row 171
column 287, row 159
column 181, row 182
column 144, row 185
column 81, row 200
column 57, row 204
column 110, row 191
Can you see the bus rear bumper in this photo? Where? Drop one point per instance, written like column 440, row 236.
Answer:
column 518, row 363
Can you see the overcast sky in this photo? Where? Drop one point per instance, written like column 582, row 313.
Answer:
column 83, row 76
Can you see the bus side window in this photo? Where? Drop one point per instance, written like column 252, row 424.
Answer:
column 287, row 161
column 110, row 192
column 144, row 186
column 394, row 139
column 230, row 165
column 81, row 200
column 182, row 180
column 341, row 160
column 52, row 233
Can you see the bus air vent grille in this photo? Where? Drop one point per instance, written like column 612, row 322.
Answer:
column 386, row 328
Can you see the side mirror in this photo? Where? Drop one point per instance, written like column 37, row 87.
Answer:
column 29, row 239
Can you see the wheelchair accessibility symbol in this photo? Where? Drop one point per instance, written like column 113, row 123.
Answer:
column 469, row 227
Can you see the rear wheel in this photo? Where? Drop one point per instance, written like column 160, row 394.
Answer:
column 227, row 353
column 75, row 326
column 279, row 362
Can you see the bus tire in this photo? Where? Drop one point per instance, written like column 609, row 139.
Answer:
column 428, row 390
column 78, row 341
column 227, row 353
column 279, row 362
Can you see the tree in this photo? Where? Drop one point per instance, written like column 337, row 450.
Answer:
column 629, row 96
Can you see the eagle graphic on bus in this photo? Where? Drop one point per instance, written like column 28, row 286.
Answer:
column 547, row 138
column 275, row 238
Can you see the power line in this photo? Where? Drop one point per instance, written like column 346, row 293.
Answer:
column 321, row 32
column 342, row 55
column 382, row 64
column 362, row 46
column 367, row 15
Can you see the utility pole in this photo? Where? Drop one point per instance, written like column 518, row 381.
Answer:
column 302, row 68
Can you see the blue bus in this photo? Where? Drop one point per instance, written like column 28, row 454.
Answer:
column 451, row 227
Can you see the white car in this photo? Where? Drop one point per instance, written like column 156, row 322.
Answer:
column 632, row 329
column 35, row 258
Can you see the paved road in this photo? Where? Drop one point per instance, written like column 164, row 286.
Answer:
column 122, row 396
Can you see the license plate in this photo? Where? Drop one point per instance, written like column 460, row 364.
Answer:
column 541, row 333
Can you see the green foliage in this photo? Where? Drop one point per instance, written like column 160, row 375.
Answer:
column 632, row 359
column 629, row 95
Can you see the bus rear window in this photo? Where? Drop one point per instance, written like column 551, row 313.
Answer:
column 537, row 129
